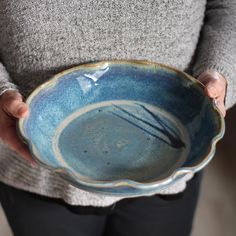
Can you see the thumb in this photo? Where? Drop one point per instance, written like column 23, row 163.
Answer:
column 212, row 90
column 215, row 87
column 215, row 84
column 13, row 105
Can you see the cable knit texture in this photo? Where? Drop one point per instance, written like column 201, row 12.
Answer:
column 40, row 38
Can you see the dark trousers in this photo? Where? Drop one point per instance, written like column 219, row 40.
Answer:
column 33, row 215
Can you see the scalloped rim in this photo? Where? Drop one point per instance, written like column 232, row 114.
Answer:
column 177, row 174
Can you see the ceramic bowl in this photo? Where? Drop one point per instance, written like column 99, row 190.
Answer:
column 125, row 128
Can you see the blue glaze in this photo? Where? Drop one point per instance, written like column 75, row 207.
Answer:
column 121, row 121
column 101, row 141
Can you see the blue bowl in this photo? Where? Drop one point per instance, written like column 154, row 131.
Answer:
column 124, row 128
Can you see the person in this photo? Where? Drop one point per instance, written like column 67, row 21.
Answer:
column 41, row 38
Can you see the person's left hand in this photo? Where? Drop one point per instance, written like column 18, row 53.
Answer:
column 215, row 87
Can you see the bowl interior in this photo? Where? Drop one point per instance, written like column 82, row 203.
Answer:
column 118, row 121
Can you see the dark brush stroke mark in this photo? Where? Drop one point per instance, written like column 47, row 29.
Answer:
column 140, row 127
column 174, row 138
column 155, row 116
column 138, row 118
column 175, row 141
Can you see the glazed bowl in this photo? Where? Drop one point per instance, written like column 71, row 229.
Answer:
column 124, row 128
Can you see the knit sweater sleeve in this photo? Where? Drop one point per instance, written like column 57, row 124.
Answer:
column 217, row 44
column 5, row 81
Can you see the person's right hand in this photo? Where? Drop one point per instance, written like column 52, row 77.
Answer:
column 12, row 108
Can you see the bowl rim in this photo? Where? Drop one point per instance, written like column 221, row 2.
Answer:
column 99, row 184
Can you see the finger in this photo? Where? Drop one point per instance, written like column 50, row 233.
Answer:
column 216, row 93
column 213, row 78
column 211, row 91
column 14, row 106
column 215, row 89
column 209, row 75
column 221, row 106
column 10, row 137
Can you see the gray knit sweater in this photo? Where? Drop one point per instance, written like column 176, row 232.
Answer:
column 40, row 38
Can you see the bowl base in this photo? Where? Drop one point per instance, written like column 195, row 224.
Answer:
column 121, row 140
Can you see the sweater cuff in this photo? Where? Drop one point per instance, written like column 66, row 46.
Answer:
column 7, row 86
column 5, row 81
column 227, row 72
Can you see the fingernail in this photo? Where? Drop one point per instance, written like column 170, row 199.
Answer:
column 21, row 110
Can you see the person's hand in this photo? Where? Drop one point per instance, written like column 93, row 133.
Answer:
column 215, row 87
column 12, row 107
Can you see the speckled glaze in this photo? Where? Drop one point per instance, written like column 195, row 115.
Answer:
column 125, row 128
